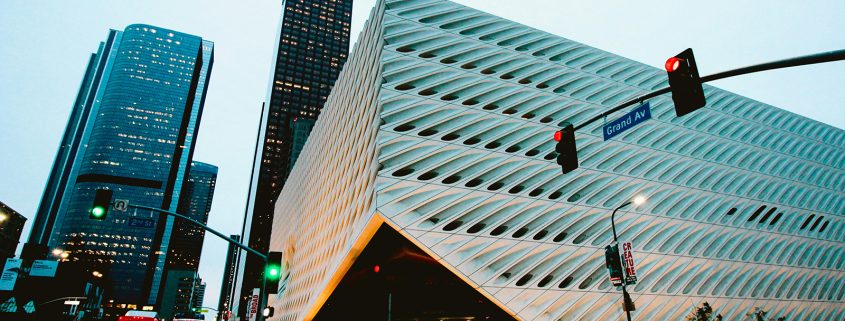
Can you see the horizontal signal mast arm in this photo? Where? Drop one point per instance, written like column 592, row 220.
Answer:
column 817, row 58
column 205, row 227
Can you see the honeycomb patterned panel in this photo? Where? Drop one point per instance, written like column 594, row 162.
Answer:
column 441, row 125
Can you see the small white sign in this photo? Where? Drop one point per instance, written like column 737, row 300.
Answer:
column 253, row 305
column 121, row 205
column 10, row 274
column 72, row 302
column 46, row 268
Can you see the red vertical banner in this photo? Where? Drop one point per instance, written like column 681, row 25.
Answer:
column 628, row 262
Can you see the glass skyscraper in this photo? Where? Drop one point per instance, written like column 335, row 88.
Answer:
column 183, row 255
column 132, row 131
column 197, row 194
column 311, row 47
column 183, row 293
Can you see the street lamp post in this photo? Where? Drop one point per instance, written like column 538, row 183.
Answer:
column 627, row 303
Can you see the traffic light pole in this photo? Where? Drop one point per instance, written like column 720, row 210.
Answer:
column 626, row 298
column 818, row 58
column 197, row 223
column 262, row 300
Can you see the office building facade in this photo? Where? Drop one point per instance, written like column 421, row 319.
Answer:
column 132, row 131
column 182, row 293
column 434, row 154
column 199, row 295
column 311, row 48
column 197, row 194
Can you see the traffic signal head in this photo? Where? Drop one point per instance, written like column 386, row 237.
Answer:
column 614, row 264
column 567, row 156
column 273, row 272
column 268, row 312
column 685, row 83
column 102, row 200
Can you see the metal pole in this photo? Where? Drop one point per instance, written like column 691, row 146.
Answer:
column 210, row 308
column 817, row 58
column 197, row 223
column 613, row 219
column 625, row 296
column 262, row 297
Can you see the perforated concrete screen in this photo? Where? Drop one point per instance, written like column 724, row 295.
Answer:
column 440, row 127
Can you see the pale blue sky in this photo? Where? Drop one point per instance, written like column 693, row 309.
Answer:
column 44, row 47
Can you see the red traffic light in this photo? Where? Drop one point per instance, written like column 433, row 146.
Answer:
column 376, row 268
column 684, row 82
column 567, row 155
column 673, row 64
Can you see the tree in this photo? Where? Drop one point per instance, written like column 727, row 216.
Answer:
column 758, row 314
column 703, row 313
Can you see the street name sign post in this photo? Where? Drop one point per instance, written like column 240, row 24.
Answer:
column 141, row 222
column 627, row 121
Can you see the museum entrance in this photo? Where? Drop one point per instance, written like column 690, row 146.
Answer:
column 394, row 280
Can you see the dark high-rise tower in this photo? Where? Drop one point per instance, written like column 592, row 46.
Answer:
column 311, row 47
column 131, row 130
column 66, row 157
column 183, row 255
column 197, row 194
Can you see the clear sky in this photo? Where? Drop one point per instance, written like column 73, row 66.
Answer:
column 45, row 45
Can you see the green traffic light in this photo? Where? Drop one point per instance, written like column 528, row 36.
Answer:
column 98, row 211
column 273, row 272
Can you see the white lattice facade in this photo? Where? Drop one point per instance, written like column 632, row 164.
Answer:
column 441, row 125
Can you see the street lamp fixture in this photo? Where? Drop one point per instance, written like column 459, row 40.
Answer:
column 639, row 200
